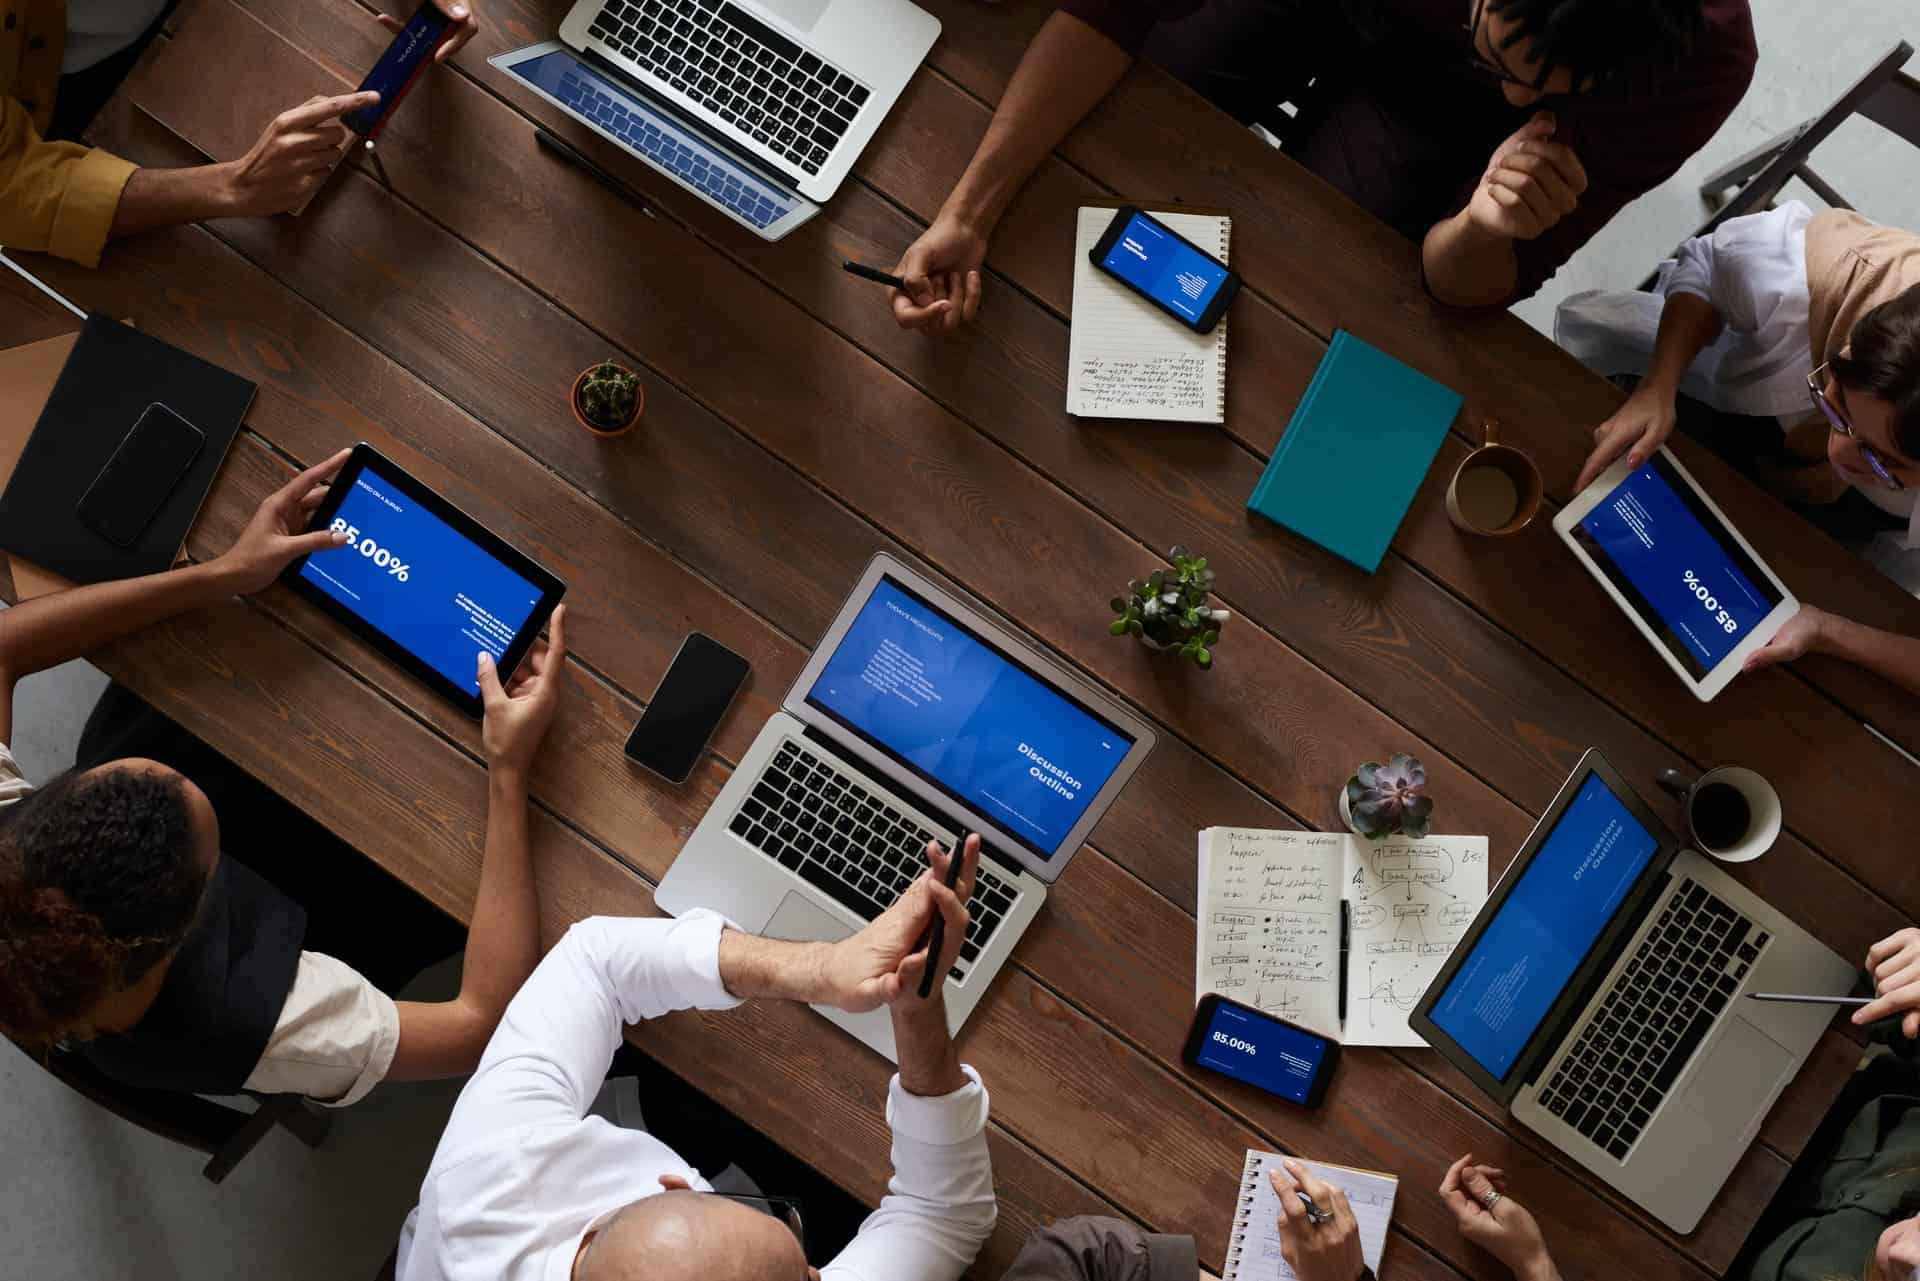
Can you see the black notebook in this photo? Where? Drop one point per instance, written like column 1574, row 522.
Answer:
column 113, row 374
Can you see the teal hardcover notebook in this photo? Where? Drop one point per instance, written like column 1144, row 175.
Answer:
column 1356, row 451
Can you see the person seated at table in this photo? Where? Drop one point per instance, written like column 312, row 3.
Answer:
column 1848, row 1207
column 132, row 933
column 526, row 1187
column 1790, row 343
column 1500, row 135
column 61, row 60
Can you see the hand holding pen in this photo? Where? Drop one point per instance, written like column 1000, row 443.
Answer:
column 1319, row 1237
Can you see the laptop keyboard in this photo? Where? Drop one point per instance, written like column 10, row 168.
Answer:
column 755, row 79
column 851, row 842
column 1659, row 1010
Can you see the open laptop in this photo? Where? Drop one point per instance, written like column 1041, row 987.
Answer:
column 916, row 718
column 1599, row 992
column 759, row 107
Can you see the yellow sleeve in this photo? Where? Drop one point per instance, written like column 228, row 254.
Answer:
column 55, row 197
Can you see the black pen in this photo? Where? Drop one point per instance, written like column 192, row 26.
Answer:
column 934, row 937
column 568, row 153
column 1796, row 998
column 874, row 274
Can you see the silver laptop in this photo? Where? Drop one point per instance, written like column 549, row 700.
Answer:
column 1600, row 994
column 917, row 718
column 759, row 107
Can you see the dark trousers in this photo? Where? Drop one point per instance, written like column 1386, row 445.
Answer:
column 84, row 92
column 356, row 911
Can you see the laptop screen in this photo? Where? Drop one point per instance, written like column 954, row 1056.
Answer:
column 915, row 683
column 1578, row 879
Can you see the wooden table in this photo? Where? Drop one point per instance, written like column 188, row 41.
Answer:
column 791, row 431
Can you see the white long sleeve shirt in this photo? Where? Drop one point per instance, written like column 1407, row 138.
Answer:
column 522, row 1171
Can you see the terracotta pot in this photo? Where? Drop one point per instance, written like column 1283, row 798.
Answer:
column 639, row 404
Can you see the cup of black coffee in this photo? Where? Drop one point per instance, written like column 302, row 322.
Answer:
column 1732, row 813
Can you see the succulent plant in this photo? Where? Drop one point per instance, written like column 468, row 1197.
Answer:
column 1169, row 610
column 608, row 395
column 1392, row 798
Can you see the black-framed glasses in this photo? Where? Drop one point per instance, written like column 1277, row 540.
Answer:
column 1494, row 69
column 1838, row 421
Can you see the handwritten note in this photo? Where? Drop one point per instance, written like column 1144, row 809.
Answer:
column 1269, row 932
column 1408, row 903
column 1253, row 1247
column 1126, row 358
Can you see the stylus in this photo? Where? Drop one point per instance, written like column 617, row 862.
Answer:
column 874, row 274
column 573, row 157
column 935, row 937
column 1792, row 998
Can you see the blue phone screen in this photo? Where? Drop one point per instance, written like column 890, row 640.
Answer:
column 1261, row 1051
column 415, row 43
column 1170, row 271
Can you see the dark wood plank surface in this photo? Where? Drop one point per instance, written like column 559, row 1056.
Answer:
column 791, row 431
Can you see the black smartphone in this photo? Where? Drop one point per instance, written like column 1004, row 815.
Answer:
column 398, row 67
column 1165, row 268
column 145, row 467
column 1277, row 1056
column 686, row 708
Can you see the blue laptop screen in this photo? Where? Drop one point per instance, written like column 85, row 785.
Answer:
column 1566, row 896
column 933, row 696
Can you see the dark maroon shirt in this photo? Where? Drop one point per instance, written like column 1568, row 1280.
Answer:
column 1413, row 141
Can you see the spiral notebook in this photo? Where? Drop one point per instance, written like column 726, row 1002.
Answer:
column 1125, row 358
column 1253, row 1243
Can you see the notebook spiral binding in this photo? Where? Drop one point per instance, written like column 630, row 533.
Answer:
column 1220, row 330
column 1243, row 1213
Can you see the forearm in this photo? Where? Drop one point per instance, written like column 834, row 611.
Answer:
column 1064, row 74
column 1467, row 265
column 753, row 968
column 49, row 630
column 172, row 198
column 1540, row 1269
column 1688, row 325
column 929, row 1065
column 503, row 940
column 1887, row 654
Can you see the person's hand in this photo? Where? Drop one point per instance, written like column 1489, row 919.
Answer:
column 882, row 964
column 517, row 714
column 1531, row 183
column 291, row 159
column 942, row 271
column 1316, row 1251
column 1506, row 1231
column 465, row 27
column 1894, row 963
column 274, row 537
column 1796, row 638
column 1637, row 428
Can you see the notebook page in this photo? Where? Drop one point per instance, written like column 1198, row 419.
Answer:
column 1269, row 933
column 1253, row 1244
column 1408, row 903
column 1128, row 359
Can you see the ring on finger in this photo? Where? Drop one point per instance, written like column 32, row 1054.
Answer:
column 1491, row 1199
column 1317, row 1216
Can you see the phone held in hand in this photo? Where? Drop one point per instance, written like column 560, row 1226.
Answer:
column 1269, row 1053
column 687, row 707
column 1165, row 268
column 399, row 67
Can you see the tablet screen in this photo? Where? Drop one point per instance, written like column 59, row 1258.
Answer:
column 1677, row 565
column 412, row 576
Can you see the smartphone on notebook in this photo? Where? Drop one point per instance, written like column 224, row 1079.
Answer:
column 1165, row 268
column 123, row 499
column 399, row 67
column 1250, row 1045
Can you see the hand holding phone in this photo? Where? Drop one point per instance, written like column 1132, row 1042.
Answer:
column 414, row 45
column 1249, row 1045
column 1166, row 269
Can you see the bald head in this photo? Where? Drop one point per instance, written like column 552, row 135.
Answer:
column 690, row 1236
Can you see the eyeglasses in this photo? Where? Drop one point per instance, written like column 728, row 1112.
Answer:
column 1838, row 421
column 1494, row 69
column 783, row 1208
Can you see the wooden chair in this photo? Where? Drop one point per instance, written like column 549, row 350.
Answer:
column 226, row 1134
column 1886, row 95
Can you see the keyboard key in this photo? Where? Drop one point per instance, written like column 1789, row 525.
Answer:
column 859, row 95
column 1619, row 1148
column 741, row 824
column 809, row 63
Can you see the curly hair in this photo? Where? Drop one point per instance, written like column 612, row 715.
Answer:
column 1883, row 359
column 98, row 883
column 1597, row 40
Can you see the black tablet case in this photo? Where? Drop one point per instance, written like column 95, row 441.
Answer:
column 113, row 374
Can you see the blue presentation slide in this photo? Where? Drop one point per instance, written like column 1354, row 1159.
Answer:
column 421, row 581
column 1273, row 1056
column 1699, row 598
column 915, row 682
column 1522, row 962
column 1168, row 269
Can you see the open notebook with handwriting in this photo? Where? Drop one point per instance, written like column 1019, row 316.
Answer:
column 1253, row 1245
column 1125, row 357
column 1330, row 930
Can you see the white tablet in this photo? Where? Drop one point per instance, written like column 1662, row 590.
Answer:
column 1668, row 557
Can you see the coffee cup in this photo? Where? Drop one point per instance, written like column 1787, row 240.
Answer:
column 1732, row 813
column 1496, row 489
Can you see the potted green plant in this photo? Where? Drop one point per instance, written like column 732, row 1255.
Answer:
column 607, row 399
column 1388, row 800
column 1169, row 612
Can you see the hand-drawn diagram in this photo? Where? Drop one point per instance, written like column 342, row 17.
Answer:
column 1408, row 903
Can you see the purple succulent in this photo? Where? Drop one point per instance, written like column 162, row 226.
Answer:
column 1391, row 798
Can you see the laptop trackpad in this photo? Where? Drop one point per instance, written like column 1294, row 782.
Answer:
column 801, row 14
column 800, row 921
column 1740, row 1073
